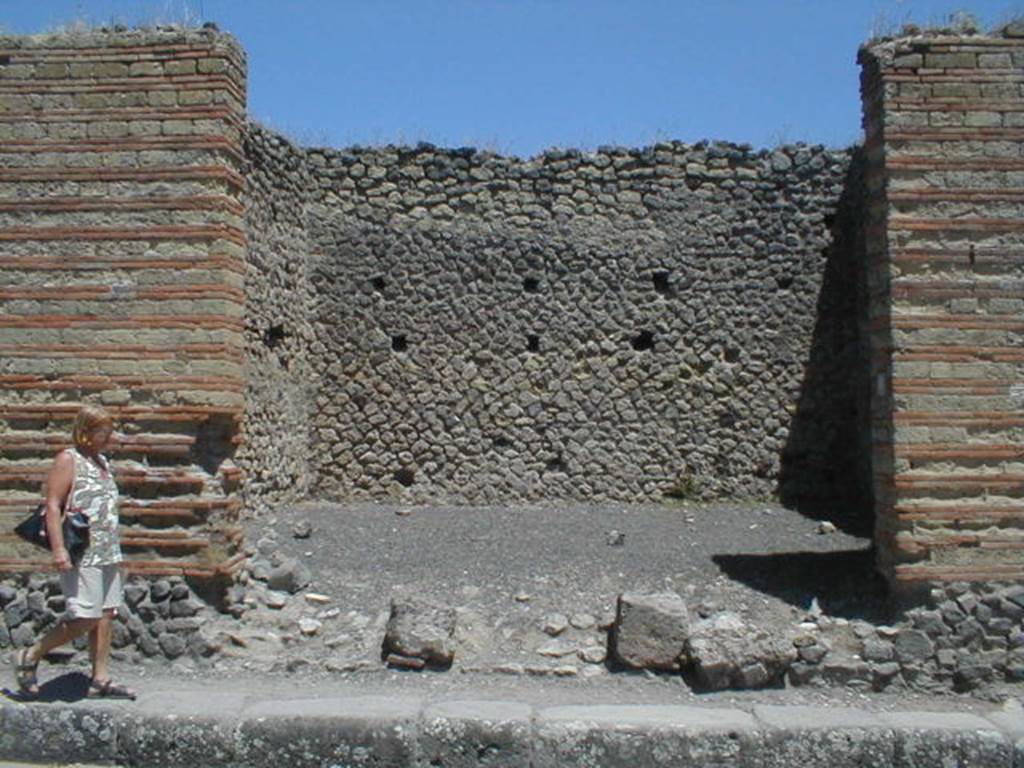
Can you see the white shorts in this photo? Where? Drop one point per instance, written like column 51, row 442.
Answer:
column 92, row 589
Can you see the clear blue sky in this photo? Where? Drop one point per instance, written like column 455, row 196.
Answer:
column 519, row 76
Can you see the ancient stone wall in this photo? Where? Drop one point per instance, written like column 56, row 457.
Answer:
column 944, row 121
column 275, row 455
column 625, row 324
column 122, row 250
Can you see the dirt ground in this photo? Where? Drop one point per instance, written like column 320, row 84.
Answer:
column 512, row 572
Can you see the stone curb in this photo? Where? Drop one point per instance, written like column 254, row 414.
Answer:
column 207, row 729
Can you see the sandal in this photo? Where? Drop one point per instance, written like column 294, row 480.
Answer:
column 25, row 673
column 108, row 689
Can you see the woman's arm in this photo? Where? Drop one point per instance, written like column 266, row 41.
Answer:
column 58, row 484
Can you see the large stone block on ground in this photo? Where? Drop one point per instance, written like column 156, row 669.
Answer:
column 650, row 630
column 724, row 652
column 420, row 629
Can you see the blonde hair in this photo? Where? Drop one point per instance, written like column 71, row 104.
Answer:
column 90, row 418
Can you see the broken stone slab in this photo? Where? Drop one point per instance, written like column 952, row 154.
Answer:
column 650, row 630
column 724, row 652
column 421, row 629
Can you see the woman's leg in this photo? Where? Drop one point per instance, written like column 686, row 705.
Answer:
column 99, row 645
column 63, row 633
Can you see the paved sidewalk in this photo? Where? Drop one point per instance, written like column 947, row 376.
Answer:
column 275, row 723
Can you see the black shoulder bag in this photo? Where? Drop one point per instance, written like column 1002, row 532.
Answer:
column 74, row 525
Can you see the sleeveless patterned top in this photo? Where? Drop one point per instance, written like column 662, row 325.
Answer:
column 95, row 493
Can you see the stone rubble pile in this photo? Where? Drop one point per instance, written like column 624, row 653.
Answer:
column 963, row 640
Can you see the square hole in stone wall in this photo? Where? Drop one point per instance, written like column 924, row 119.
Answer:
column 662, row 282
column 643, row 341
column 532, row 342
column 531, row 284
column 399, row 343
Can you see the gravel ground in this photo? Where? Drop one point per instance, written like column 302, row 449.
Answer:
column 508, row 569
column 562, row 557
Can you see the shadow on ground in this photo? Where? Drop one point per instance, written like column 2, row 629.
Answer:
column 844, row 583
column 71, row 686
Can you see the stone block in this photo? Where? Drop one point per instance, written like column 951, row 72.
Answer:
column 310, row 733
column 650, row 630
column 821, row 737
column 421, row 629
column 726, row 653
column 942, row 738
column 474, row 733
column 147, row 735
column 995, row 60
column 643, row 735
column 51, row 733
column 912, row 645
column 960, row 60
column 146, row 69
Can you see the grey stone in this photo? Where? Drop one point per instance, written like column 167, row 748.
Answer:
column 180, row 592
column 813, row 654
column 930, row 622
column 120, row 636
column 149, row 735
column 421, row 629
column 555, row 624
column 802, row 673
column 349, row 731
column 7, row 594
column 1015, row 595
column 51, row 733
column 942, row 738
column 877, row 650
column 288, row 575
column 912, row 645
column 134, row 594
column 5, row 637
column 885, row 673
column 780, row 161
column 172, row 645
column 36, row 602
column 16, row 612
column 23, row 636
column 203, row 644
column 650, row 630
column 815, row 736
column 726, row 653
column 845, row 672
column 159, row 590
column 609, row 735
column 302, row 529
column 474, row 733
column 187, row 607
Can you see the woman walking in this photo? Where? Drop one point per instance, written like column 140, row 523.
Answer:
column 81, row 480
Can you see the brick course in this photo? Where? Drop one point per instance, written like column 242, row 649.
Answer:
column 943, row 116
column 122, row 237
